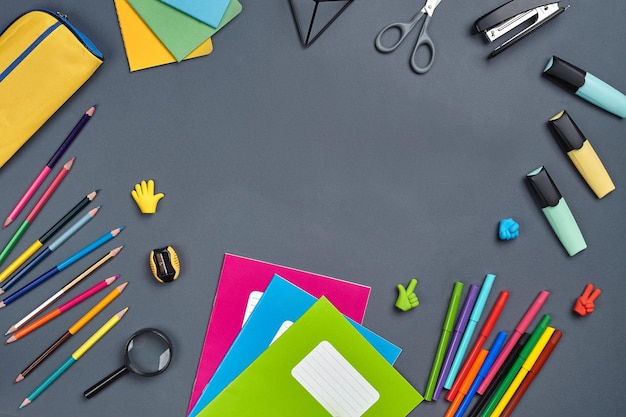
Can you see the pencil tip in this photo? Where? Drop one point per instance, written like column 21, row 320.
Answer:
column 110, row 280
column 2, row 305
column 1, row 291
column 69, row 163
column 91, row 110
column 121, row 313
column 7, row 222
column 121, row 287
column 25, row 403
column 10, row 340
column 11, row 330
column 116, row 250
column 19, row 378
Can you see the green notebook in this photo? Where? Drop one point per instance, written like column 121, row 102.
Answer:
column 321, row 366
column 179, row 32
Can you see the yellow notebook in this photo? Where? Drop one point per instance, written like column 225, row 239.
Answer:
column 143, row 48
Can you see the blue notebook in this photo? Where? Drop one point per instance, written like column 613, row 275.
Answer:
column 281, row 304
column 206, row 11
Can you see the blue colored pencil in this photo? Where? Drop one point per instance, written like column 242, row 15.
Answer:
column 60, row 267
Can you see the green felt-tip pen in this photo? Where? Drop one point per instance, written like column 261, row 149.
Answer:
column 528, row 347
column 448, row 327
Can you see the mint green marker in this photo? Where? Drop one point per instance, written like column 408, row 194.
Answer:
column 528, row 347
column 477, row 311
column 448, row 327
column 556, row 211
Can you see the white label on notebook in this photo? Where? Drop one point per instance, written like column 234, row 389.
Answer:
column 282, row 329
column 334, row 383
column 253, row 298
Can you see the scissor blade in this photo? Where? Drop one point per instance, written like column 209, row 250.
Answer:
column 430, row 6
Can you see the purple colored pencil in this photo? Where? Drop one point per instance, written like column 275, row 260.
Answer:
column 49, row 166
column 459, row 328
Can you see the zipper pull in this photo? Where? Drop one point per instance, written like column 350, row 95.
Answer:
column 61, row 15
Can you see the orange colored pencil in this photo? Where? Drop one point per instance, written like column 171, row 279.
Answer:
column 61, row 309
column 72, row 330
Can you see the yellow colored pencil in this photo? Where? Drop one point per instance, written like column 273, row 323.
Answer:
column 74, row 357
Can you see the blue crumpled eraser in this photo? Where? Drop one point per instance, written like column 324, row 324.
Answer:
column 508, row 230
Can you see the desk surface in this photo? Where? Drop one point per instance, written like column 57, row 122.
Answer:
column 339, row 160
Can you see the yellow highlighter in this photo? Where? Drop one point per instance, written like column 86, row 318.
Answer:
column 582, row 154
column 521, row 374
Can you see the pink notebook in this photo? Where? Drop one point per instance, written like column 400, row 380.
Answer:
column 241, row 283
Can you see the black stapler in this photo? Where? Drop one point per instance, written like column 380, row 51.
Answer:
column 520, row 16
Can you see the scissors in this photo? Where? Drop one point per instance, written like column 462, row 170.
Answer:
column 422, row 40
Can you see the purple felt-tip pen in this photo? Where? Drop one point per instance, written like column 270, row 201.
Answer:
column 459, row 328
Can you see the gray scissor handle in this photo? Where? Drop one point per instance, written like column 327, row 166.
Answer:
column 425, row 42
column 404, row 27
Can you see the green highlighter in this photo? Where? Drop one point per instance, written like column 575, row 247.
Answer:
column 528, row 347
column 556, row 210
column 448, row 327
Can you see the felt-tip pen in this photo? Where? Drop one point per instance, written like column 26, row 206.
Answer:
column 585, row 85
column 482, row 373
column 448, row 325
column 541, row 360
column 581, row 153
column 556, row 210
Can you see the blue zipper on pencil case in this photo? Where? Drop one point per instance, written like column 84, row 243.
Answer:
column 61, row 20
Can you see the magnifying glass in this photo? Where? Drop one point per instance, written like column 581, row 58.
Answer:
column 148, row 353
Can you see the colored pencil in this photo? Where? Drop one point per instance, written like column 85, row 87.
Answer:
column 47, row 236
column 74, row 328
column 467, row 382
column 74, row 357
column 527, row 318
column 496, row 346
column 96, row 265
column 60, row 267
column 504, row 369
column 541, row 360
column 523, row 371
column 30, row 191
column 459, row 329
column 36, row 209
column 52, row 314
column 484, row 333
column 477, row 311
column 49, row 249
column 532, row 341
column 448, row 324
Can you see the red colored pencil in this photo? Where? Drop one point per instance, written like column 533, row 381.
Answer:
column 494, row 314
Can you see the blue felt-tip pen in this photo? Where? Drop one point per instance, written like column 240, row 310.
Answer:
column 482, row 372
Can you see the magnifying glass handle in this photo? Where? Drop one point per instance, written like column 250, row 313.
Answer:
column 94, row 389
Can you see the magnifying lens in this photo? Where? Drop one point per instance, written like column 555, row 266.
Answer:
column 148, row 353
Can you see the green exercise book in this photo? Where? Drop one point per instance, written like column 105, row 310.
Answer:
column 179, row 32
column 321, row 366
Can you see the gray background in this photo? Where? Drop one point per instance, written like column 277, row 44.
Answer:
column 339, row 160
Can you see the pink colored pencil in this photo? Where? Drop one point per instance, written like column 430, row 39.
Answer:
column 35, row 210
column 527, row 318
column 49, row 166
column 61, row 309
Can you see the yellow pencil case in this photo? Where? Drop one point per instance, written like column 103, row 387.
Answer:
column 44, row 59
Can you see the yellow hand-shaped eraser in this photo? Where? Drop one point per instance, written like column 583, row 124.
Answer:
column 144, row 196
